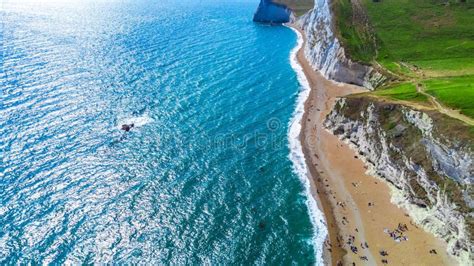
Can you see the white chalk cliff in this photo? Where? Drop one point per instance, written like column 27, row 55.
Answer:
column 430, row 171
column 325, row 53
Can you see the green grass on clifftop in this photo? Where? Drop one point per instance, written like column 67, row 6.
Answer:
column 416, row 31
column 455, row 92
column 353, row 32
column 403, row 92
column 420, row 41
column 424, row 31
column 299, row 7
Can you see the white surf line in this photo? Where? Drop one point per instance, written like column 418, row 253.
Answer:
column 320, row 231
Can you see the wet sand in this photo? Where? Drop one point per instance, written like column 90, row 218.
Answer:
column 344, row 192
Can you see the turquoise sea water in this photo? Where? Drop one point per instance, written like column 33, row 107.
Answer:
column 203, row 177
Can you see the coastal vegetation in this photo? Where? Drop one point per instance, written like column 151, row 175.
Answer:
column 404, row 92
column 455, row 92
column 427, row 44
column 299, row 7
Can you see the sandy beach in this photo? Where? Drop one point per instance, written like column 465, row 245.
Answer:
column 357, row 207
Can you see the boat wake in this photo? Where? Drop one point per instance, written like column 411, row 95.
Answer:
column 137, row 121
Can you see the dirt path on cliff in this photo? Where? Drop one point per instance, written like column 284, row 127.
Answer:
column 420, row 88
column 361, row 19
column 356, row 205
column 444, row 110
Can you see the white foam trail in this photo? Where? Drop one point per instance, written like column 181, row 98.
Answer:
column 138, row 121
column 297, row 157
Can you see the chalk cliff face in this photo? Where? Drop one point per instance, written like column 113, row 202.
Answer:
column 323, row 50
column 269, row 12
column 431, row 169
column 325, row 53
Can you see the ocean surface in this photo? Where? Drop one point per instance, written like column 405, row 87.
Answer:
column 210, row 172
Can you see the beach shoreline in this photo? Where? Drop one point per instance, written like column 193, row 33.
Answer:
column 322, row 203
column 354, row 204
column 297, row 154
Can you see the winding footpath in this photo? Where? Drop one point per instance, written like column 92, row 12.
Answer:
column 442, row 109
column 420, row 88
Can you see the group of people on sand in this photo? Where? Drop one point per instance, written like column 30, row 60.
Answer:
column 397, row 234
column 363, row 245
column 384, row 253
column 341, row 204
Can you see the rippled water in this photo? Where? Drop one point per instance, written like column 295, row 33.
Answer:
column 204, row 176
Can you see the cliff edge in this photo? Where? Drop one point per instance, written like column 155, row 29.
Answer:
column 326, row 54
column 427, row 157
column 324, row 50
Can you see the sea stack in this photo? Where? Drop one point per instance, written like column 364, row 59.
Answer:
column 270, row 12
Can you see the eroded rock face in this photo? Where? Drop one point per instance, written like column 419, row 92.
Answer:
column 431, row 170
column 269, row 12
column 325, row 53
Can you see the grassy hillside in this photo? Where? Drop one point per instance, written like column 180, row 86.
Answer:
column 299, row 7
column 403, row 92
column 455, row 92
column 426, row 32
column 427, row 42
column 354, row 31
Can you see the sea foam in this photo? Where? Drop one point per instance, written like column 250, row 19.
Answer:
column 297, row 157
